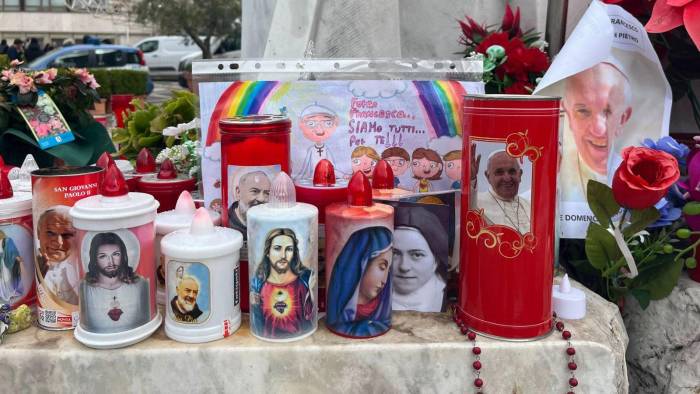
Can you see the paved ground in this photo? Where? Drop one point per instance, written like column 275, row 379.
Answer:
column 162, row 91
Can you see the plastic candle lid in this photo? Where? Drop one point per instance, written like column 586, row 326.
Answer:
column 202, row 240
column 359, row 191
column 382, row 176
column 145, row 162
column 21, row 177
column 13, row 204
column 115, row 203
column 166, row 174
column 324, row 177
column 180, row 217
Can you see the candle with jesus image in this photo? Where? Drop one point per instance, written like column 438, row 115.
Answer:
column 283, row 265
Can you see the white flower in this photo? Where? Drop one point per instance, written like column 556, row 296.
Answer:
column 175, row 131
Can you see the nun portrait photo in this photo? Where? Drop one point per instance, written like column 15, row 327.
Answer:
column 359, row 292
column 420, row 258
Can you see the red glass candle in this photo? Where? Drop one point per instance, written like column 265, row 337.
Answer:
column 510, row 153
column 166, row 185
column 254, row 149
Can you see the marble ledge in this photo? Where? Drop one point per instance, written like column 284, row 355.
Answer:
column 423, row 353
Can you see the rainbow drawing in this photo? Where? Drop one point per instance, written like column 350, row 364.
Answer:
column 241, row 98
column 441, row 103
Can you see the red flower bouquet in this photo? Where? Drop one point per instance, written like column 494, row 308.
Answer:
column 513, row 60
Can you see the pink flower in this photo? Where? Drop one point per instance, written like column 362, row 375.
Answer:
column 7, row 75
column 669, row 14
column 24, row 82
column 42, row 130
column 15, row 63
column 46, row 77
column 86, row 78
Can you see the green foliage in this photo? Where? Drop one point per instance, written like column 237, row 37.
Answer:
column 198, row 20
column 103, row 77
column 144, row 125
column 129, row 82
column 4, row 62
column 656, row 255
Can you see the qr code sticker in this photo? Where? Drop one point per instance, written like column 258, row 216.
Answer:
column 46, row 316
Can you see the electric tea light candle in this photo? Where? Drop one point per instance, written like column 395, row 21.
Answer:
column 202, row 284
column 115, row 236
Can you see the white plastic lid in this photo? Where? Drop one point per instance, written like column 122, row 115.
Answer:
column 282, row 192
column 568, row 302
column 21, row 178
column 124, row 166
column 132, row 209
column 202, row 240
column 20, row 204
column 178, row 218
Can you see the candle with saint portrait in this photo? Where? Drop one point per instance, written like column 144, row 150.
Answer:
column 115, row 235
column 510, row 156
column 254, row 148
column 358, row 263
column 57, row 255
column 283, row 265
column 16, row 254
column 203, row 301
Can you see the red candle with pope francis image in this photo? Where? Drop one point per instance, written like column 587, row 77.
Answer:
column 509, row 160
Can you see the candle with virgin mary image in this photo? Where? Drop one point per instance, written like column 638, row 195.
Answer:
column 358, row 263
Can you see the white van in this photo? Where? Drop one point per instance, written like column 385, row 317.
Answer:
column 163, row 53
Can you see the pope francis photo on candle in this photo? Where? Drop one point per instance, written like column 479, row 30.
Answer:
column 113, row 297
column 501, row 199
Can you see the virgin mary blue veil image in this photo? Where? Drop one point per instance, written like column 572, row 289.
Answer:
column 10, row 274
column 362, row 246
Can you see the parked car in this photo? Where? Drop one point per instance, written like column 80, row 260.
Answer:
column 163, row 53
column 228, row 48
column 94, row 56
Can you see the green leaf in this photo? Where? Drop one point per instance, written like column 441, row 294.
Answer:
column 640, row 220
column 602, row 202
column 660, row 279
column 601, row 248
column 642, row 297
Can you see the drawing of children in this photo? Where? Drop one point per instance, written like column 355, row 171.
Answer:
column 364, row 158
column 399, row 160
column 453, row 168
column 427, row 166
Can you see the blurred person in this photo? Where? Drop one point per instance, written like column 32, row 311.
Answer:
column 16, row 51
column 33, row 50
column 3, row 46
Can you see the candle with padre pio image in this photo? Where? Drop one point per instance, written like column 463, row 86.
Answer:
column 202, row 285
column 57, row 266
column 358, row 263
column 115, row 235
column 167, row 222
column 16, row 255
column 254, row 148
column 283, row 265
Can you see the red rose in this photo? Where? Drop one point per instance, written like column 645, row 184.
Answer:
column 644, row 177
column 519, row 87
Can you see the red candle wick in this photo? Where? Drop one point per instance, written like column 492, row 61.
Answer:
column 324, row 173
column 167, row 170
column 113, row 184
column 105, row 160
column 5, row 186
column 382, row 176
column 145, row 162
column 359, row 190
